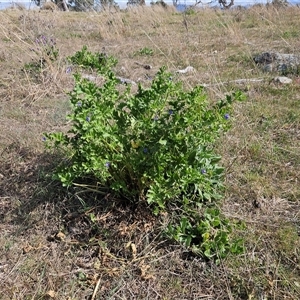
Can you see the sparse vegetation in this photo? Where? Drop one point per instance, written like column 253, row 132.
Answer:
column 145, row 51
column 72, row 243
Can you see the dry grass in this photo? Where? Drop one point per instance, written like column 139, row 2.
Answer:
column 65, row 245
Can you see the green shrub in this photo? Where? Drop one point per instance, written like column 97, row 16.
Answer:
column 156, row 145
column 88, row 60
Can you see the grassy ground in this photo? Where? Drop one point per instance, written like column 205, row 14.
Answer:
column 62, row 244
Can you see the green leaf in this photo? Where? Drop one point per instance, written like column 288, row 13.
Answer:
column 162, row 142
column 208, row 253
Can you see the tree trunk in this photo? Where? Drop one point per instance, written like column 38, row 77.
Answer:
column 64, row 5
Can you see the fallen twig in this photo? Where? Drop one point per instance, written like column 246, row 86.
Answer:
column 238, row 81
column 147, row 67
column 96, row 288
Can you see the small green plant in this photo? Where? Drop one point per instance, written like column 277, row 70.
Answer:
column 207, row 234
column 145, row 52
column 155, row 145
column 33, row 67
column 290, row 34
column 190, row 11
column 46, row 47
column 47, row 52
column 88, row 60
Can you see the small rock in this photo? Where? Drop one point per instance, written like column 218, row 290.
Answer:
column 188, row 69
column 125, row 80
column 283, row 80
column 147, row 67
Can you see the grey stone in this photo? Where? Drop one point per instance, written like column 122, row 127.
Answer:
column 278, row 62
column 188, row 69
column 125, row 80
column 283, row 80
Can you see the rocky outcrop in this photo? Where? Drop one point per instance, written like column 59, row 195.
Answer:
column 277, row 62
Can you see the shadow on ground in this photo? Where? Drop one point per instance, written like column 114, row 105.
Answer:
column 66, row 240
